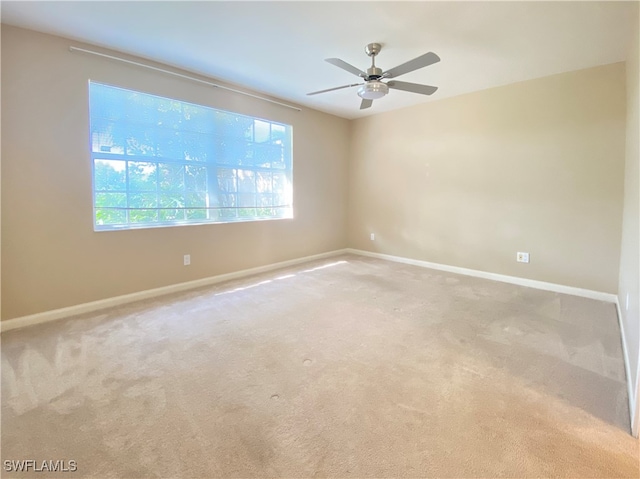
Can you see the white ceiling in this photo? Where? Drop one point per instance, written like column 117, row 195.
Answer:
column 279, row 47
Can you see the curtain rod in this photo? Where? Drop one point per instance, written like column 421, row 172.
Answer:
column 162, row 70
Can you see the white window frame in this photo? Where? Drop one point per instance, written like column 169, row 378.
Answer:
column 224, row 201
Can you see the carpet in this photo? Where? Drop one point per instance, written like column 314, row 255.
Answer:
column 344, row 367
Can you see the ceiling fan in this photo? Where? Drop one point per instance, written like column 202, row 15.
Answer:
column 373, row 88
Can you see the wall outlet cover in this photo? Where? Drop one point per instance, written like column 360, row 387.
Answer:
column 522, row 257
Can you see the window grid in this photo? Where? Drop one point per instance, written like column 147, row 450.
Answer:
column 222, row 175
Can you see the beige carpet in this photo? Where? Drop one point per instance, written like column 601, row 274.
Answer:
column 347, row 367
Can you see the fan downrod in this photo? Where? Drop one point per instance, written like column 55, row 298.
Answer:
column 373, row 73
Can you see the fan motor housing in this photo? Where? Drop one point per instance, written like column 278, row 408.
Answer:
column 374, row 73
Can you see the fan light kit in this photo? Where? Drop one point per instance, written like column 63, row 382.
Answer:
column 373, row 88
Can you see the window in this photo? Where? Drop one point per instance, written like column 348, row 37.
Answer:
column 158, row 162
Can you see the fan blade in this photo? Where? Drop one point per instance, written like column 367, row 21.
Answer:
column 412, row 87
column 420, row 62
column 332, row 89
column 345, row 66
column 365, row 103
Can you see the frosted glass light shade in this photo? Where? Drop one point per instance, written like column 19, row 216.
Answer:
column 372, row 90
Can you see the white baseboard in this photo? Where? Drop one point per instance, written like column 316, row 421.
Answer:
column 52, row 315
column 531, row 283
column 627, row 367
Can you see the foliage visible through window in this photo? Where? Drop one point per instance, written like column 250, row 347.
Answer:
column 158, row 161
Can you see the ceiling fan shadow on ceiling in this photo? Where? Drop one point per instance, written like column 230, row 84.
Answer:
column 373, row 86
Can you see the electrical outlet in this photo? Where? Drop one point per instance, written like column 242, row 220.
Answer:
column 522, row 257
column 187, row 259
column 373, row 237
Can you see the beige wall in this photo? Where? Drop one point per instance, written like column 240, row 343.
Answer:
column 468, row 181
column 630, row 254
column 52, row 258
